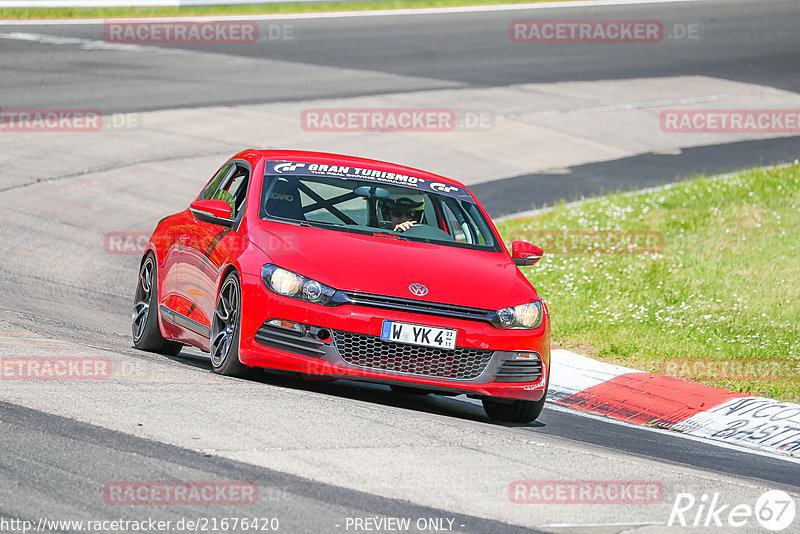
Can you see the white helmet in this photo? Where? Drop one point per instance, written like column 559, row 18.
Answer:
column 413, row 203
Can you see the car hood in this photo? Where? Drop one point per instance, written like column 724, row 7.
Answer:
column 385, row 266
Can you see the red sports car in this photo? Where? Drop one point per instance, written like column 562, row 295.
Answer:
column 341, row 267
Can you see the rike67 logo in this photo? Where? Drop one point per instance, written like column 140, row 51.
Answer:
column 774, row 510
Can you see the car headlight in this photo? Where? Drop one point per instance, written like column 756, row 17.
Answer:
column 293, row 285
column 523, row 316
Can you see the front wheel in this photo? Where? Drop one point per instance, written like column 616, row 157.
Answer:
column 518, row 411
column 144, row 321
column 224, row 342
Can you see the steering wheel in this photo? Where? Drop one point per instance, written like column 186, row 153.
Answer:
column 424, row 231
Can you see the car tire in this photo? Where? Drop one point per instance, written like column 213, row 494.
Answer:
column 225, row 327
column 145, row 330
column 518, row 411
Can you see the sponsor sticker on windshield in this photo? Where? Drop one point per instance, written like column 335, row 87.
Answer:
column 293, row 168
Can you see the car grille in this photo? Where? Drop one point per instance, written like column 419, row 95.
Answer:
column 528, row 370
column 419, row 306
column 373, row 353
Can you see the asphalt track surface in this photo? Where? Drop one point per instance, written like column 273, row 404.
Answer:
column 501, row 197
column 28, row 437
column 754, row 42
column 56, row 456
column 739, row 40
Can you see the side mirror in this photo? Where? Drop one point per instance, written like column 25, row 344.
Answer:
column 525, row 254
column 212, row 211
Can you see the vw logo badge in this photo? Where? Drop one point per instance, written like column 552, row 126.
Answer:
column 418, row 289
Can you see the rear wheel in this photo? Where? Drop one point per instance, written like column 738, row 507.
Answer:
column 518, row 411
column 224, row 343
column 144, row 321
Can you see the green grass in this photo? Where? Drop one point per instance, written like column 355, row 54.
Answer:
column 719, row 305
column 255, row 9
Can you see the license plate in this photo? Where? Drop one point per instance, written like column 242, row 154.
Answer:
column 417, row 334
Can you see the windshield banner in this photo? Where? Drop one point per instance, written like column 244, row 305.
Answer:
column 291, row 168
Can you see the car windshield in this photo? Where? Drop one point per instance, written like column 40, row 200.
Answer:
column 371, row 206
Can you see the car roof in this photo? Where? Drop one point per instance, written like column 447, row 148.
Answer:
column 254, row 156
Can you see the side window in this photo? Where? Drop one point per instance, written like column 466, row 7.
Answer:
column 476, row 226
column 230, row 185
column 234, row 190
column 464, row 219
column 453, row 225
column 214, row 185
column 237, row 190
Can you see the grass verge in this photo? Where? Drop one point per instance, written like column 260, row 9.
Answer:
column 255, row 9
column 719, row 305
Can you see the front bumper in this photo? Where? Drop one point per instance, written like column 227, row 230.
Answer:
column 344, row 342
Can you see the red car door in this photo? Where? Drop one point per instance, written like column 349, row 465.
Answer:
column 207, row 249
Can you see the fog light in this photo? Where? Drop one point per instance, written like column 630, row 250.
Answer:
column 323, row 335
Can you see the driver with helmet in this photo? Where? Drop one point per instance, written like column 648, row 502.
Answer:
column 402, row 210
